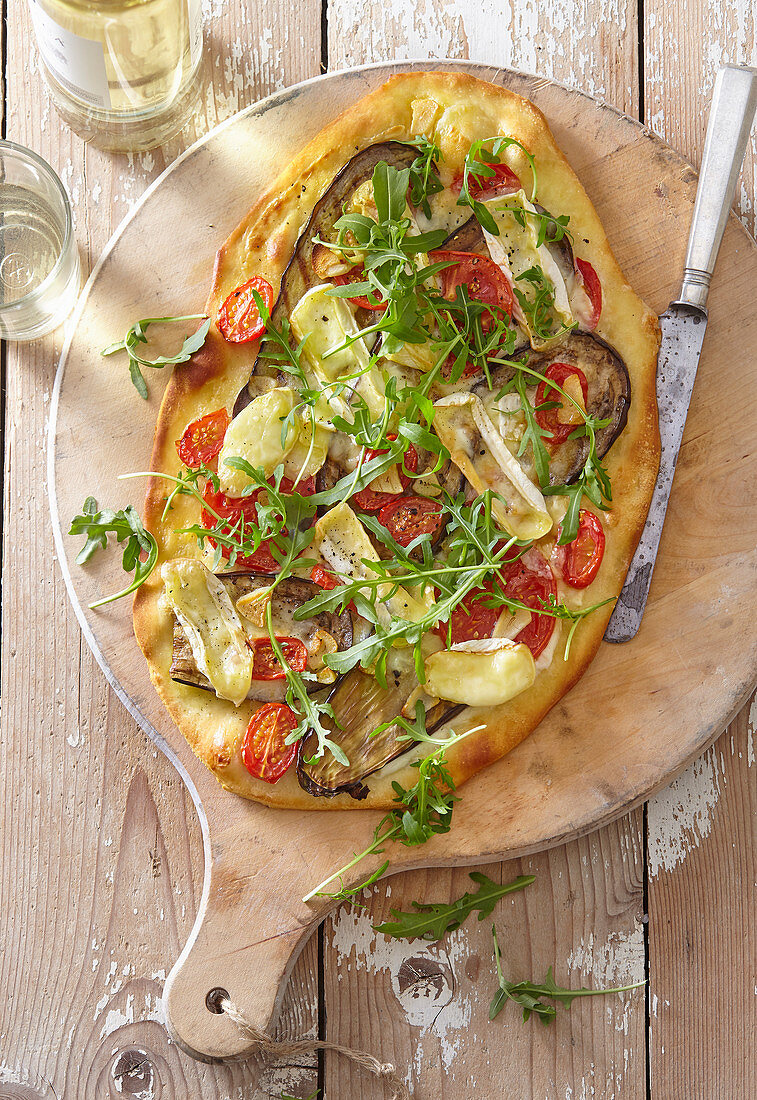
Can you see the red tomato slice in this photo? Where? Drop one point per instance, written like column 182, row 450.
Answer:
column 485, row 280
column 593, row 288
column 579, row 561
column 503, row 182
column 265, row 663
column 531, row 580
column 203, row 439
column 238, row 318
column 405, row 518
column 231, row 508
column 264, row 751
column 470, row 619
column 368, row 500
column 357, row 275
column 547, row 418
column 324, row 578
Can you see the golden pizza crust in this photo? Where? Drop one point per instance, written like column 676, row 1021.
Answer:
column 455, row 109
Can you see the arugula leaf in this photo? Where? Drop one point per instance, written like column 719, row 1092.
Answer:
column 530, row 995
column 431, row 922
column 424, row 179
column 479, row 166
column 137, row 335
column 538, row 304
column 534, row 434
column 97, row 524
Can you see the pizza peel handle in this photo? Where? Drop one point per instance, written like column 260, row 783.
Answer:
column 684, row 322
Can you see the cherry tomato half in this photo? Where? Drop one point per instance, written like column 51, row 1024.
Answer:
column 357, row 275
column 368, row 500
column 231, row 508
column 265, row 663
column 485, row 280
column 470, row 619
column 203, row 439
column 503, row 182
column 593, row 288
column 531, row 580
column 579, row 561
column 239, row 318
column 265, row 753
column 405, row 518
column 547, row 418
column 323, row 578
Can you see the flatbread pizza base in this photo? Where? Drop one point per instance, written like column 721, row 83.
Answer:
column 467, row 110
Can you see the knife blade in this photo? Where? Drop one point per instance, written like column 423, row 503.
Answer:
column 684, row 323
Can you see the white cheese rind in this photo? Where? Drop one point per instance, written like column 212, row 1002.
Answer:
column 212, row 626
column 461, row 422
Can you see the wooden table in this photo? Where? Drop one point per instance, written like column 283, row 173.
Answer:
column 102, row 856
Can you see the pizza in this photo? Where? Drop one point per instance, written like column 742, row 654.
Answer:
column 397, row 490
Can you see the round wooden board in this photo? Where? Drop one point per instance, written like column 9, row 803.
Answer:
column 641, row 712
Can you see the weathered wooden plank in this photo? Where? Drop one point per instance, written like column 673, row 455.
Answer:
column 588, row 44
column 702, row 859
column 703, row 935
column 425, row 1006
column 100, row 846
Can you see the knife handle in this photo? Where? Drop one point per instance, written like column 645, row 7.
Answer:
column 734, row 102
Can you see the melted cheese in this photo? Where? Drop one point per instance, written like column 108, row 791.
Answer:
column 212, row 626
column 462, row 424
column 323, row 322
column 343, row 542
column 255, row 435
column 515, row 251
column 485, row 672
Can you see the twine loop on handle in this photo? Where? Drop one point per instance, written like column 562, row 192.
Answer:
column 273, row 1048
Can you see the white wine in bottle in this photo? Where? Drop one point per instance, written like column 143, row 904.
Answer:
column 122, row 73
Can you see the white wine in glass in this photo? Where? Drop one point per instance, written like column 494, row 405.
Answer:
column 123, row 73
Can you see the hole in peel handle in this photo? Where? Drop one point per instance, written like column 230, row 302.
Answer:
column 219, row 963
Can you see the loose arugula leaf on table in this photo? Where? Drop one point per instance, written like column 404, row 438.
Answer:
column 97, row 524
column 432, row 921
column 531, row 995
column 137, row 335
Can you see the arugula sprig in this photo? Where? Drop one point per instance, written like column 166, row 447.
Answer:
column 424, row 179
column 137, row 335
column 97, row 524
column 531, row 996
column 538, row 305
column 551, row 229
column 423, row 811
column 479, row 166
column 432, row 921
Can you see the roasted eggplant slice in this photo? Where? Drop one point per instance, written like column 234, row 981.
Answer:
column 289, row 595
column 300, row 274
column 609, row 394
column 361, row 705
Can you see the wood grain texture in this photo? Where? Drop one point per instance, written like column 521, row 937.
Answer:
column 702, row 831
column 425, row 1006
column 587, row 44
column 102, row 860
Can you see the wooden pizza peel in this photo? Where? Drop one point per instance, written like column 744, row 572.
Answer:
column 641, row 713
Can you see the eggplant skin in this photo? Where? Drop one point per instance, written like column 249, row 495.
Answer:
column 609, row 394
column 289, row 595
column 360, row 705
column 299, row 275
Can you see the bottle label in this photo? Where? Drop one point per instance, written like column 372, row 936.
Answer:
column 77, row 63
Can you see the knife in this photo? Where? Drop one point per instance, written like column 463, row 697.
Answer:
column 683, row 323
